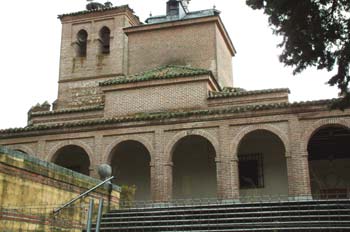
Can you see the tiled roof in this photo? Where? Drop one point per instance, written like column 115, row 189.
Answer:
column 92, row 11
column 68, row 111
column 171, row 115
column 235, row 92
column 165, row 72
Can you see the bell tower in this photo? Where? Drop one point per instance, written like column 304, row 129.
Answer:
column 93, row 48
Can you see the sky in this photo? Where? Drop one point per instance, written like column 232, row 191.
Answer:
column 30, row 51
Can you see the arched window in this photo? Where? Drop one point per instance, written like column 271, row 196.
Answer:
column 82, row 43
column 105, row 34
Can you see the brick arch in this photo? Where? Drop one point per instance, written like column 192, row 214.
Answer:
column 23, row 148
column 270, row 128
column 312, row 129
column 170, row 146
column 81, row 144
column 107, row 157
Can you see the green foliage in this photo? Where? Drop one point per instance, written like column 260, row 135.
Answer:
column 315, row 33
column 127, row 196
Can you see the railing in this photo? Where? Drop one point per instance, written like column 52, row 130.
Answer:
column 77, row 217
column 82, row 195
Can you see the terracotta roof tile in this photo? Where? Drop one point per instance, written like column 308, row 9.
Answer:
column 168, row 115
column 165, row 72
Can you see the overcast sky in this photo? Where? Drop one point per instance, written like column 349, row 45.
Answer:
column 30, row 44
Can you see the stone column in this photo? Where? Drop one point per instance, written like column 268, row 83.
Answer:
column 297, row 163
column 227, row 168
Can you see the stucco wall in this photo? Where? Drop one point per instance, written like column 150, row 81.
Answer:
column 30, row 188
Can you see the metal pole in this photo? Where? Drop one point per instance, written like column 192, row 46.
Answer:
column 83, row 194
column 89, row 219
column 99, row 215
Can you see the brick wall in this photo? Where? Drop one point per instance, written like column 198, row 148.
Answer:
column 140, row 98
column 187, row 45
column 94, row 66
column 225, row 133
column 224, row 60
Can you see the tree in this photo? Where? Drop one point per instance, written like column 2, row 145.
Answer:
column 315, row 33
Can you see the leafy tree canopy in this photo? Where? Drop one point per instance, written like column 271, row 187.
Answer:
column 315, row 33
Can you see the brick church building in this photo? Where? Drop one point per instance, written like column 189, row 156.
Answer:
column 156, row 101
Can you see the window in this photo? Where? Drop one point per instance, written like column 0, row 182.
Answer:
column 105, row 34
column 251, row 173
column 82, row 43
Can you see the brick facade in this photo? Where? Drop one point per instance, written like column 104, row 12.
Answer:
column 160, row 108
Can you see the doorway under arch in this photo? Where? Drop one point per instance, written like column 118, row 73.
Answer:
column 130, row 161
column 262, row 165
column 329, row 162
column 194, row 168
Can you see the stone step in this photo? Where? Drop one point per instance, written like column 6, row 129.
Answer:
column 331, row 215
column 180, row 221
column 235, row 226
column 226, row 209
column 292, row 213
column 170, row 206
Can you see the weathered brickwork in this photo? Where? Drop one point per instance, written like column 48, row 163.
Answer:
column 94, row 65
column 197, row 43
column 156, row 98
column 225, row 134
column 99, row 109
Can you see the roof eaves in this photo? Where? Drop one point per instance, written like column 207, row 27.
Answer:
column 216, row 95
column 170, row 115
column 145, row 76
column 68, row 111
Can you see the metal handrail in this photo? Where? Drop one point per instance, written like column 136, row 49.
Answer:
column 82, row 195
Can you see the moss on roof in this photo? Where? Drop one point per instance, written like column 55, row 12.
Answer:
column 169, row 115
column 165, row 72
column 68, row 111
column 235, row 92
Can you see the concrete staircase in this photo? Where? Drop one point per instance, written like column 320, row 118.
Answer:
column 318, row 215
